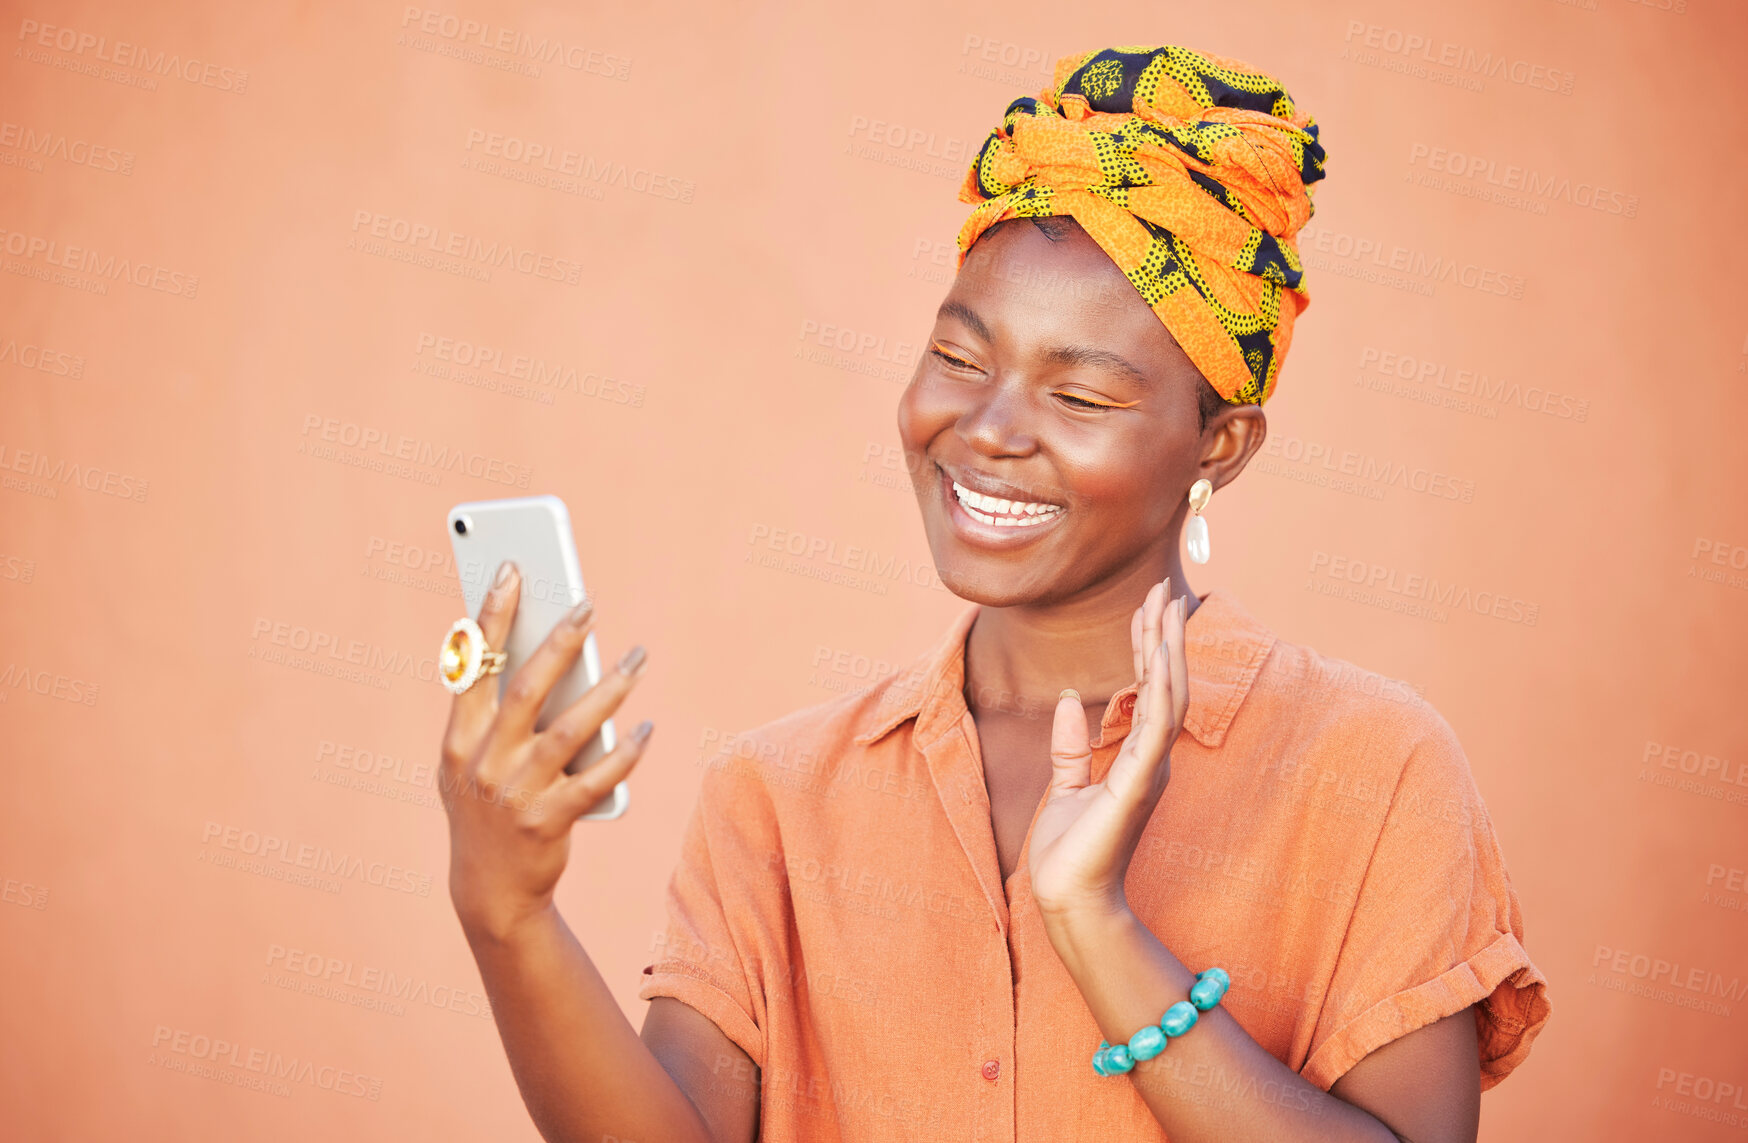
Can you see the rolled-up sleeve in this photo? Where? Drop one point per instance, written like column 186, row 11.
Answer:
column 719, row 902
column 1435, row 929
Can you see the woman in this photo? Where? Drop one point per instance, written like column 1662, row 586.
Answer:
column 919, row 911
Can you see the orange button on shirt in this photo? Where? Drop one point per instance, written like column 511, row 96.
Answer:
column 839, row 912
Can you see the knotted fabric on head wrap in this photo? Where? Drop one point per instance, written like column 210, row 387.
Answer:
column 1193, row 172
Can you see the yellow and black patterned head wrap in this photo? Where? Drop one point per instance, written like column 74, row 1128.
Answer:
column 1193, row 172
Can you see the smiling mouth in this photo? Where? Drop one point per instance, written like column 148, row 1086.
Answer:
column 1001, row 513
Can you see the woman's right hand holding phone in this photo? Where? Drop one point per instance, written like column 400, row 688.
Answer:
column 583, row 1070
column 510, row 803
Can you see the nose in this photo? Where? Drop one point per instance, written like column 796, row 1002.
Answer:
column 999, row 423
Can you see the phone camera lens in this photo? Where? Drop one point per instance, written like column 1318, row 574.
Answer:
column 461, row 525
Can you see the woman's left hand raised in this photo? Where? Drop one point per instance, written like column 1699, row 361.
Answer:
column 1085, row 833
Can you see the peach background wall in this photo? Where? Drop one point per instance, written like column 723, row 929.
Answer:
column 254, row 341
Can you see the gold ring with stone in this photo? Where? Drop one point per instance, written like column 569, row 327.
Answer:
column 466, row 658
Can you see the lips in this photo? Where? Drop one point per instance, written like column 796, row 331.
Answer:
column 986, row 510
column 1002, row 513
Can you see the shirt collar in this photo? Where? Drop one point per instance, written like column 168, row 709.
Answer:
column 1226, row 647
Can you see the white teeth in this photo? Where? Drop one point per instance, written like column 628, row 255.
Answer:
column 1002, row 513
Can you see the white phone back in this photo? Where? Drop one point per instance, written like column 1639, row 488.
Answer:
column 535, row 532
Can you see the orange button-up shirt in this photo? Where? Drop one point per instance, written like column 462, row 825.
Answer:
column 839, row 912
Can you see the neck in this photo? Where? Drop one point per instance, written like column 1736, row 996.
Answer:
column 1018, row 659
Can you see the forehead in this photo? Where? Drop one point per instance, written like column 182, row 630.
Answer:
column 1064, row 291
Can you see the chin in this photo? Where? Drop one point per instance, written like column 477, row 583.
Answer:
column 975, row 584
column 989, row 550
column 995, row 578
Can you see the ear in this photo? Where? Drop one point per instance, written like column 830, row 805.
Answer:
column 1233, row 436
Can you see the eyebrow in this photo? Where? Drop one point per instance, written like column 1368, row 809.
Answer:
column 1057, row 355
column 967, row 315
column 1098, row 358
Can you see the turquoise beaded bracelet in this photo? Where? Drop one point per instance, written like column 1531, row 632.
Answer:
column 1211, row 984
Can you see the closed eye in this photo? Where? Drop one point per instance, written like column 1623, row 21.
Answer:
column 1071, row 400
column 1084, row 403
column 950, row 359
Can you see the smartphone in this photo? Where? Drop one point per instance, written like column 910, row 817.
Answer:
column 534, row 532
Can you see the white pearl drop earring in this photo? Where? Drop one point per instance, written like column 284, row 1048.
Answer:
column 1196, row 533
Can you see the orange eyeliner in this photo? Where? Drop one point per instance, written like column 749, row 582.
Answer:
column 954, row 358
column 1103, row 404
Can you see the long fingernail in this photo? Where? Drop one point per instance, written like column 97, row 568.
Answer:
column 642, row 733
column 632, row 661
column 1068, row 692
column 580, row 613
column 505, row 571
